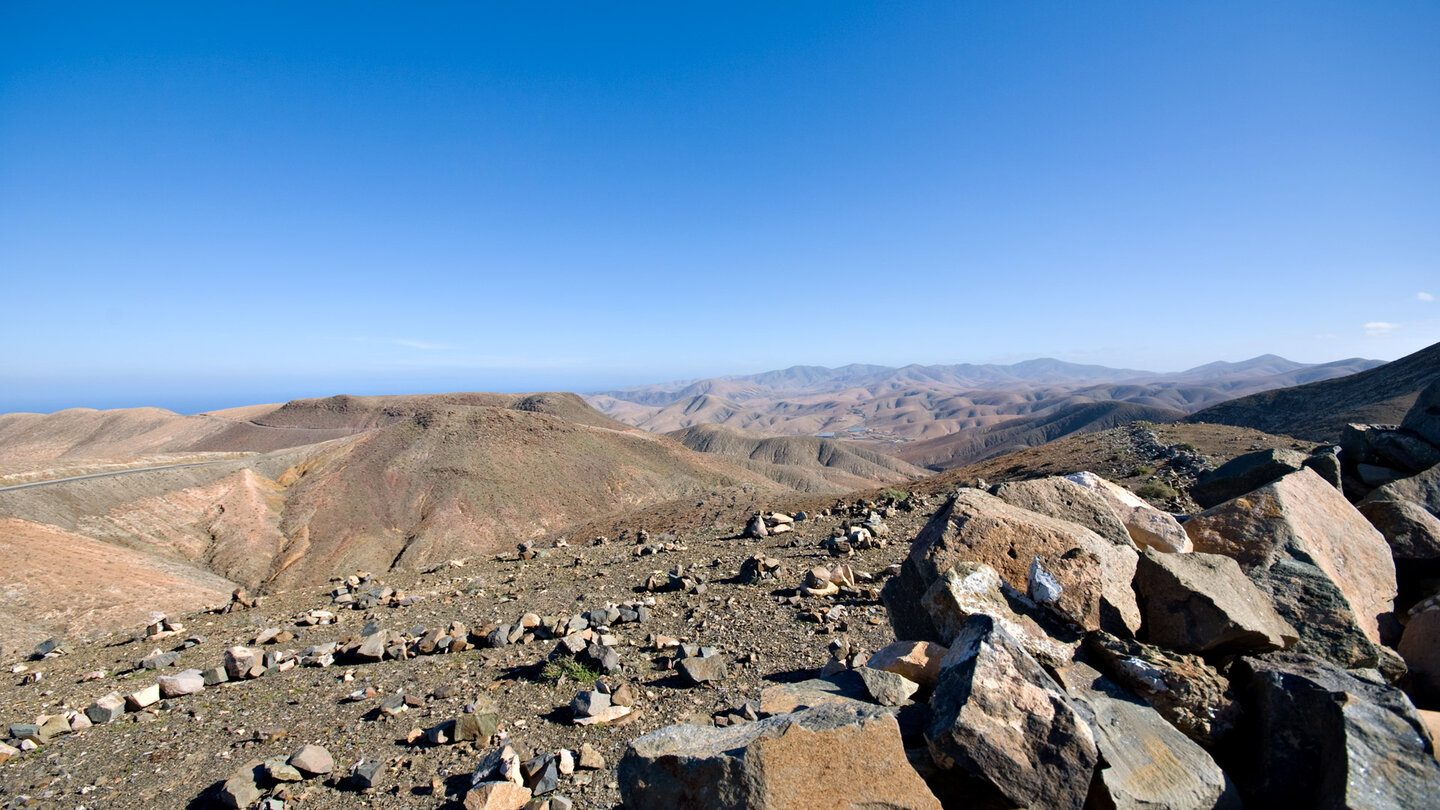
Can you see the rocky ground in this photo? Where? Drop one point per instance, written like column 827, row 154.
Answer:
column 179, row 751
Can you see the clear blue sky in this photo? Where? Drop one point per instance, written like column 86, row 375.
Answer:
column 204, row 207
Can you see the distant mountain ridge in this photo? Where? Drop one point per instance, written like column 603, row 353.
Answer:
column 1319, row 410
column 954, row 409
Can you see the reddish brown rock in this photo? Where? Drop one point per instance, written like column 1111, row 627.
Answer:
column 1301, row 519
column 828, row 756
column 976, row 527
column 917, row 660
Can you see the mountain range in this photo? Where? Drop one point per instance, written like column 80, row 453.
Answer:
column 942, row 416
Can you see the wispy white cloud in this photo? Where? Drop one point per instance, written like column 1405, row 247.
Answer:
column 1380, row 328
column 421, row 345
column 1424, row 296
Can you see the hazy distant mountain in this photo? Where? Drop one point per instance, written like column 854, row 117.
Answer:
column 1319, row 410
column 893, row 407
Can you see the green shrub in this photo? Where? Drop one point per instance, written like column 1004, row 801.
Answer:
column 569, row 668
column 1141, row 471
column 1156, row 491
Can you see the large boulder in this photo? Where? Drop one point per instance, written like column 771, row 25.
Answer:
column 1407, row 513
column 1318, row 736
column 827, row 756
column 1420, row 647
column 1146, row 762
column 1328, row 572
column 1188, row 692
column 998, row 717
column 1203, row 603
column 1146, row 526
column 1062, row 498
column 970, row 589
column 974, row 526
column 1244, row 474
column 1423, row 418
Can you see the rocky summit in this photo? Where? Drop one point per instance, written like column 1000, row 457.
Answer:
column 1052, row 640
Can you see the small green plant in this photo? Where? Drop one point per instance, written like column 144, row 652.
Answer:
column 898, row 495
column 1141, row 470
column 569, row 668
column 1187, row 447
column 1156, row 491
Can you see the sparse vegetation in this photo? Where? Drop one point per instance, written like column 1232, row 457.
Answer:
column 1154, row 490
column 898, row 495
column 1141, row 470
column 571, row 669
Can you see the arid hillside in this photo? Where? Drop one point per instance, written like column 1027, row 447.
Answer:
column 1320, row 410
column 802, row 463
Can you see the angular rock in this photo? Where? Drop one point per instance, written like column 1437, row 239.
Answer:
column 1204, row 603
column 189, row 682
column 589, row 759
column 1000, row 718
column 587, row 703
column 106, row 709
column 756, row 528
column 1420, row 647
column 887, row 688
column 312, row 759
column 242, row 789
column 1423, row 418
column 497, row 796
column 1407, row 513
column 1147, row 762
column 918, row 661
column 542, row 774
column 55, row 725
column 239, row 661
column 372, row 647
column 1146, row 526
column 367, row 775
column 1062, row 498
column 215, row 675
column 698, row 670
column 1244, row 474
column 8, row 752
column 841, row 688
column 501, row 764
column 773, row 764
column 1317, row 736
column 976, row 527
column 1299, row 535
column 1405, row 451
column 278, row 770
column 1192, row 695
column 968, row 589
column 141, row 698
column 479, row 725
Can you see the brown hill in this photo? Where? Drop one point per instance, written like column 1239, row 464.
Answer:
column 967, row 447
column 1319, row 411
column 466, row 480
column 802, row 463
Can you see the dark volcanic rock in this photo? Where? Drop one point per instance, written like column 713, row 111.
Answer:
column 1317, row 736
column 1244, row 474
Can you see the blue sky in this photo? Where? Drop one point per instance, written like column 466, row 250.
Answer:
column 202, row 207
